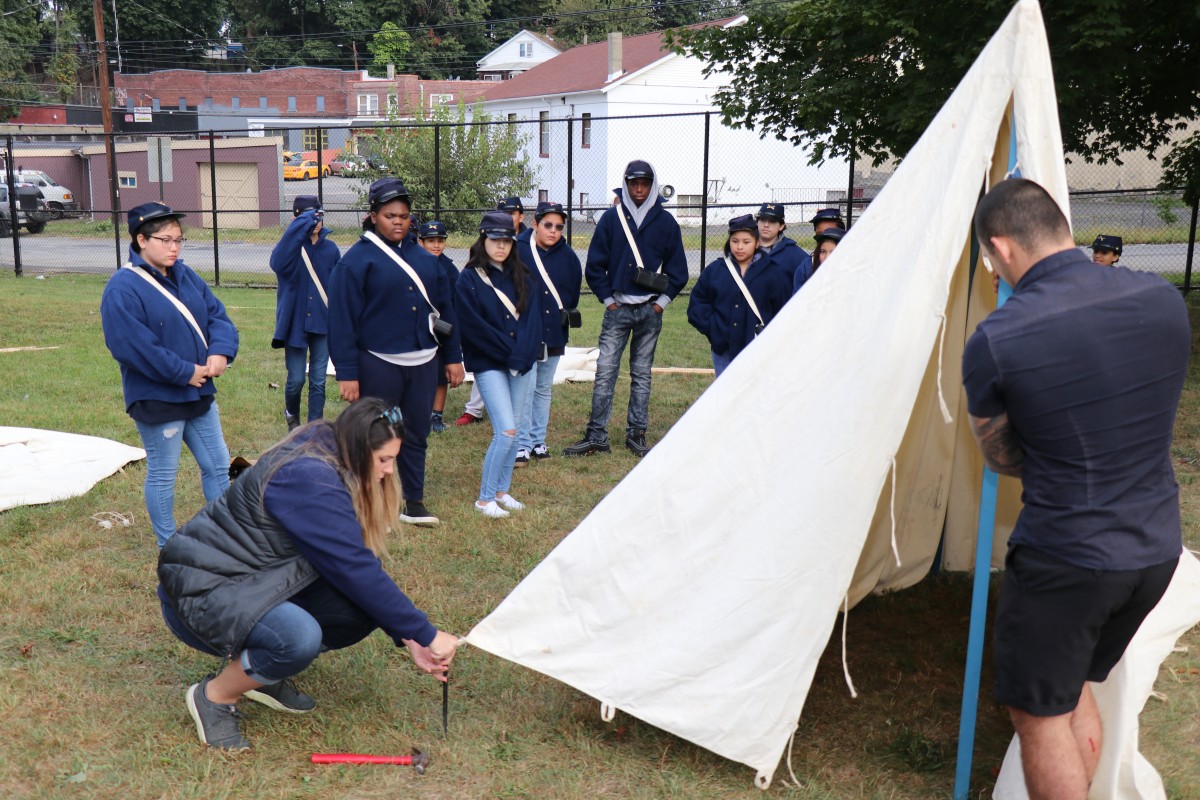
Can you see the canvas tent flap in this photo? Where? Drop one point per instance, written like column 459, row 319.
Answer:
column 38, row 466
column 700, row 593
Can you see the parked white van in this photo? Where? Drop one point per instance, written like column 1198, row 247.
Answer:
column 59, row 199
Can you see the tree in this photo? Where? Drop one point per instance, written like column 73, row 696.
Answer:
column 19, row 35
column 389, row 46
column 479, row 162
column 867, row 77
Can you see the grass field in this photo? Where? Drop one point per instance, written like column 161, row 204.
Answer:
column 92, row 684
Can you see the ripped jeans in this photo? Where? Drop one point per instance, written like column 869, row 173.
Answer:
column 506, row 395
column 163, row 442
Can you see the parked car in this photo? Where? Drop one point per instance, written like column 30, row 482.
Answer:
column 288, row 155
column 348, row 165
column 59, row 200
column 301, row 170
column 31, row 209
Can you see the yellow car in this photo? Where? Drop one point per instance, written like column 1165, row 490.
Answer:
column 298, row 170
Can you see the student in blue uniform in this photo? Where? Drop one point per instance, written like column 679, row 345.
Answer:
column 389, row 303
column 500, row 311
column 827, row 240
column 827, row 218
column 286, row 565
column 634, row 299
column 302, row 262
column 516, row 208
column 719, row 308
column 779, row 248
column 432, row 236
column 1106, row 250
column 558, row 275
column 172, row 338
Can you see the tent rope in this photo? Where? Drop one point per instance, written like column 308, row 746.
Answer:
column 845, row 665
column 791, row 741
column 892, row 509
column 607, row 712
column 941, row 347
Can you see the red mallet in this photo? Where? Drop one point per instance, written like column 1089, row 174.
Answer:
column 419, row 760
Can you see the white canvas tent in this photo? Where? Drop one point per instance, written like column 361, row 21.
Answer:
column 700, row 593
column 39, row 466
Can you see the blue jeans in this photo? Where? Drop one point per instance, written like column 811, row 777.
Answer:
column 291, row 635
column 163, row 443
column 721, row 362
column 317, row 357
column 505, row 396
column 535, row 417
column 641, row 324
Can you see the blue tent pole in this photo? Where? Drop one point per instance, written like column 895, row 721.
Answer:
column 979, row 591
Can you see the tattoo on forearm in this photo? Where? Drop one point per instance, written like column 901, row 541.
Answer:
column 999, row 444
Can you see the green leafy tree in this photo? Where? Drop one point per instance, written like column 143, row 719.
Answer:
column 867, row 77
column 389, row 46
column 479, row 162
column 19, row 35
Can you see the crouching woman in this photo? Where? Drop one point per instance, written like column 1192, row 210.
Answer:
column 286, row 564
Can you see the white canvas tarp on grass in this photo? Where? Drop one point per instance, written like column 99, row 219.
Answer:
column 700, row 593
column 38, row 466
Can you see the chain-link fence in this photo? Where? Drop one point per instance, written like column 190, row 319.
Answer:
column 237, row 187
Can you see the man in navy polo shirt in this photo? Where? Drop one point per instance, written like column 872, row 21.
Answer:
column 1072, row 385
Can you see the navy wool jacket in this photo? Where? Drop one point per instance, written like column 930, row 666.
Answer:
column 299, row 308
column 375, row 307
column 155, row 346
column 610, row 260
column 451, row 271
column 796, row 263
column 565, row 271
column 285, row 524
column 719, row 310
column 492, row 339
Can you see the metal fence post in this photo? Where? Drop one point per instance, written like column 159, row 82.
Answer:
column 12, row 206
column 437, row 170
column 850, row 186
column 1187, row 272
column 321, row 167
column 115, row 196
column 570, row 172
column 704, row 194
column 216, row 237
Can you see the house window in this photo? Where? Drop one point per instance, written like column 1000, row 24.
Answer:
column 436, row 100
column 585, row 130
column 544, row 133
column 236, row 102
column 393, row 102
column 526, row 49
column 127, row 180
column 208, row 103
column 262, row 101
column 688, row 205
column 292, row 104
column 129, row 103
column 543, row 195
column 512, row 117
column 368, row 105
column 183, row 104
column 155, row 105
column 321, row 103
column 315, row 139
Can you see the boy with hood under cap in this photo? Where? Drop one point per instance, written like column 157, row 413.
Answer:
column 636, row 267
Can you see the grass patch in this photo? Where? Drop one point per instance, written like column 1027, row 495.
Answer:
column 91, row 682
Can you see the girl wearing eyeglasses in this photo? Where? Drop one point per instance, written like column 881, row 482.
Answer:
column 500, row 313
column 557, row 275
column 286, row 564
column 171, row 337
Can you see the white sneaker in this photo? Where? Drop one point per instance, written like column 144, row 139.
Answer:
column 491, row 509
column 510, row 502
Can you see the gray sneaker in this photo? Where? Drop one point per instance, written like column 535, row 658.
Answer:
column 282, row 696
column 217, row 725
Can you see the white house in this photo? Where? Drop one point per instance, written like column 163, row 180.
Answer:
column 594, row 92
column 518, row 55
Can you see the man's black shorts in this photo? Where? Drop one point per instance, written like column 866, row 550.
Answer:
column 1059, row 625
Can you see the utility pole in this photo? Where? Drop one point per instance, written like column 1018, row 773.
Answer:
column 106, row 118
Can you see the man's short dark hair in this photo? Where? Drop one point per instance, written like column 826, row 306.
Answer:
column 1021, row 210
